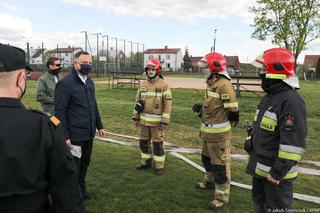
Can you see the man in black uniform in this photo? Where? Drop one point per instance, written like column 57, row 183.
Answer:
column 279, row 131
column 34, row 158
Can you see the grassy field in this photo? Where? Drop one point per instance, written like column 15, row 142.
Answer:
column 122, row 189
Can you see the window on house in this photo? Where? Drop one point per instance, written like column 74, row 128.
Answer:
column 150, row 56
column 66, row 54
column 159, row 57
column 168, row 65
column 167, row 56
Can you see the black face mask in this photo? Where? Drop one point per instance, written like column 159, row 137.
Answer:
column 266, row 83
column 25, row 89
column 55, row 71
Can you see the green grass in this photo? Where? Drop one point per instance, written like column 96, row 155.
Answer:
column 116, row 106
column 120, row 188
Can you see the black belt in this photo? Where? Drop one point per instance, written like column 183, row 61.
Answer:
column 35, row 203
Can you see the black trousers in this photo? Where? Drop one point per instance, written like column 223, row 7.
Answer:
column 267, row 197
column 83, row 162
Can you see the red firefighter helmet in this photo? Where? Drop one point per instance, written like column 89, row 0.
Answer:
column 217, row 62
column 279, row 63
column 154, row 64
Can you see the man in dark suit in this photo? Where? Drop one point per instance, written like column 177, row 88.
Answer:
column 35, row 161
column 76, row 107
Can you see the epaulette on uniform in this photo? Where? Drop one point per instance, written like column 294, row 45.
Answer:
column 52, row 118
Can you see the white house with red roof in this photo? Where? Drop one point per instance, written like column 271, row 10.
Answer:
column 170, row 58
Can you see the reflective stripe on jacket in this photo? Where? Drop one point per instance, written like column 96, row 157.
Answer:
column 157, row 99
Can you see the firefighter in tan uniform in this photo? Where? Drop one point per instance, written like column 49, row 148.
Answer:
column 152, row 114
column 218, row 113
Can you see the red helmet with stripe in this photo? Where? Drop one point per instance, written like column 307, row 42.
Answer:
column 216, row 62
column 154, row 64
column 279, row 63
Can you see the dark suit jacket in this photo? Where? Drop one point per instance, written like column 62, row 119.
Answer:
column 76, row 107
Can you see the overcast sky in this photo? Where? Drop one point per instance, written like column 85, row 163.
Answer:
column 155, row 23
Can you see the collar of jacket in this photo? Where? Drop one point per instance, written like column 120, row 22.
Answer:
column 213, row 79
column 51, row 76
column 151, row 81
column 10, row 102
column 278, row 87
column 76, row 76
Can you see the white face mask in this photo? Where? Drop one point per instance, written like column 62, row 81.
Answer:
column 151, row 73
column 206, row 72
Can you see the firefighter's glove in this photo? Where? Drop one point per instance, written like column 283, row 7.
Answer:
column 248, row 144
column 139, row 106
column 137, row 123
column 197, row 108
column 233, row 118
column 163, row 126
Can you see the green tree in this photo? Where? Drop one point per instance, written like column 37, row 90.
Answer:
column 187, row 62
column 291, row 24
column 318, row 69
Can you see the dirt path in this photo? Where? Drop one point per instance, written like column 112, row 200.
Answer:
column 199, row 83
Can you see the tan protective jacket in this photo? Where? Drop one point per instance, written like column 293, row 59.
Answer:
column 157, row 99
column 219, row 99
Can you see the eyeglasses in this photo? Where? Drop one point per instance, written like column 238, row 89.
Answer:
column 58, row 65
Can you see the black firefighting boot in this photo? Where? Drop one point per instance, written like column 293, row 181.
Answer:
column 158, row 172
column 145, row 164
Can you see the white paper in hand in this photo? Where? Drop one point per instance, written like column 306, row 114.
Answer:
column 76, row 151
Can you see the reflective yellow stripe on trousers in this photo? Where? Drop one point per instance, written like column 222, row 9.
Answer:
column 150, row 117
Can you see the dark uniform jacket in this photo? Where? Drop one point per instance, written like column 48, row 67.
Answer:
column 34, row 162
column 279, row 133
column 76, row 107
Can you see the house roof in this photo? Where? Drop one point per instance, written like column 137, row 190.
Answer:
column 247, row 67
column 162, row 51
column 195, row 59
column 38, row 53
column 311, row 60
column 232, row 61
column 65, row 50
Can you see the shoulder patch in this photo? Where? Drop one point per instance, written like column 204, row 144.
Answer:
column 288, row 122
column 225, row 96
column 143, row 89
column 55, row 120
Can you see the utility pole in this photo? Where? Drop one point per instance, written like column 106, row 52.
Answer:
column 43, row 66
column 214, row 41
column 28, row 50
column 142, row 55
column 131, row 53
column 107, row 49
column 116, row 52
column 97, row 62
column 85, row 39
column 124, row 49
column 137, row 52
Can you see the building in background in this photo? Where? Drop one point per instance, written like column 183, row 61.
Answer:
column 66, row 55
column 170, row 58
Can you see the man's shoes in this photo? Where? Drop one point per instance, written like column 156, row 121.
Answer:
column 87, row 196
column 158, row 172
column 141, row 167
column 205, row 185
column 147, row 164
column 216, row 204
